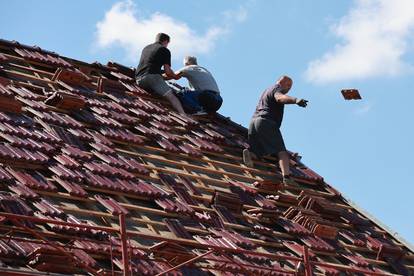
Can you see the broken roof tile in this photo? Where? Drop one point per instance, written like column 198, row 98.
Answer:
column 16, row 119
column 14, row 205
column 167, row 145
column 72, row 187
column 10, row 104
column 32, row 180
column 224, row 214
column 25, row 93
column 177, row 228
column 123, row 135
column 11, row 153
column 231, row 201
column 109, row 86
column 317, row 243
column 204, row 145
column 111, row 205
column 66, row 173
column 43, row 57
column 174, row 206
column 23, row 191
column 47, row 208
column 190, row 150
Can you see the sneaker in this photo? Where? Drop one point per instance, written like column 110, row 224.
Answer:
column 247, row 158
column 200, row 113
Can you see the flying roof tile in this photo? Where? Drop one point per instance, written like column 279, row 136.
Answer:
column 351, row 94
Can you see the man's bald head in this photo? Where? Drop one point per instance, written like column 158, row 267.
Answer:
column 285, row 83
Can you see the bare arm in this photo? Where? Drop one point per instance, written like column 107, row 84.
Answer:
column 285, row 99
column 169, row 73
column 179, row 74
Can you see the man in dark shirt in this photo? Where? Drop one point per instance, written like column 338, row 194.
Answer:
column 148, row 73
column 264, row 133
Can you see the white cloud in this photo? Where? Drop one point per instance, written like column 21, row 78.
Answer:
column 122, row 27
column 376, row 35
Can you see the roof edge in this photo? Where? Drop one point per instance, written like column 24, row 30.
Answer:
column 393, row 233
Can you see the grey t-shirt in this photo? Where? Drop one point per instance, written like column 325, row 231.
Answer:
column 268, row 108
column 199, row 78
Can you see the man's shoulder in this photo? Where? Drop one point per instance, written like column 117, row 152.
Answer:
column 187, row 68
column 195, row 68
column 275, row 88
column 156, row 47
column 150, row 46
column 163, row 49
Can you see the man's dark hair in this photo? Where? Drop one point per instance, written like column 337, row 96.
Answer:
column 161, row 37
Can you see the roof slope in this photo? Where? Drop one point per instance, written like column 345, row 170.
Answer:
column 89, row 159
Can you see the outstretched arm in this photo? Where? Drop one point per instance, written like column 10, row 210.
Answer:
column 169, row 73
column 285, row 99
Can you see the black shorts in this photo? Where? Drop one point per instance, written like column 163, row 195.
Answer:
column 265, row 137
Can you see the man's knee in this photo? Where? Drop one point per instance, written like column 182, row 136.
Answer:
column 283, row 154
column 210, row 102
column 169, row 95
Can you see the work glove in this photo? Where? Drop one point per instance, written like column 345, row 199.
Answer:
column 301, row 102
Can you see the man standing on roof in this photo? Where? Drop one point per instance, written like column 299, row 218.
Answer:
column 264, row 133
column 204, row 94
column 148, row 73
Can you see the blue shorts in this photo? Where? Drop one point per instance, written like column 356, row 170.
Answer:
column 196, row 100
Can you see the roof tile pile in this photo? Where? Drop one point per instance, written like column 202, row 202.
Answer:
column 99, row 177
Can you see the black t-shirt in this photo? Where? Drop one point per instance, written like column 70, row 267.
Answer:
column 268, row 108
column 153, row 57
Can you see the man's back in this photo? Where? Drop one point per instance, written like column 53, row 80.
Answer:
column 199, row 78
column 268, row 108
column 153, row 57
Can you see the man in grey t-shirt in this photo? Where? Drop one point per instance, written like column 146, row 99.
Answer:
column 204, row 94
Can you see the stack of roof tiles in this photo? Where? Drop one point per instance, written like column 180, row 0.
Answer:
column 82, row 146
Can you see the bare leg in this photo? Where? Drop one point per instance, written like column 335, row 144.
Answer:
column 284, row 163
column 174, row 102
column 247, row 157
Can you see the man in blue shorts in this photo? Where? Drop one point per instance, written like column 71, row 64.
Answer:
column 203, row 94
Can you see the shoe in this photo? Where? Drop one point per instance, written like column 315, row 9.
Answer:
column 289, row 181
column 200, row 113
column 247, row 158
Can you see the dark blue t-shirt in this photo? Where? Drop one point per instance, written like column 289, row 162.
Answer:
column 268, row 108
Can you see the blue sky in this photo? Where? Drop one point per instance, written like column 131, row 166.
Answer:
column 363, row 148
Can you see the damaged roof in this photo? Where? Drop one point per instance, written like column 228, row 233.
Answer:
column 100, row 177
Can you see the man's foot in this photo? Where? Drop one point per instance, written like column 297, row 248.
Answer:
column 200, row 113
column 247, row 158
column 287, row 180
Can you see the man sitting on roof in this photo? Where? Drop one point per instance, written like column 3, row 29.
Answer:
column 203, row 94
column 148, row 73
column 264, row 134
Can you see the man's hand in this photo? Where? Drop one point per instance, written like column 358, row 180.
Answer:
column 169, row 73
column 301, row 102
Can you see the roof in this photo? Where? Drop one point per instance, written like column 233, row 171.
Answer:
column 102, row 178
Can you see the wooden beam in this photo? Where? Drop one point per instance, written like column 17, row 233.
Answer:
column 26, row 76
